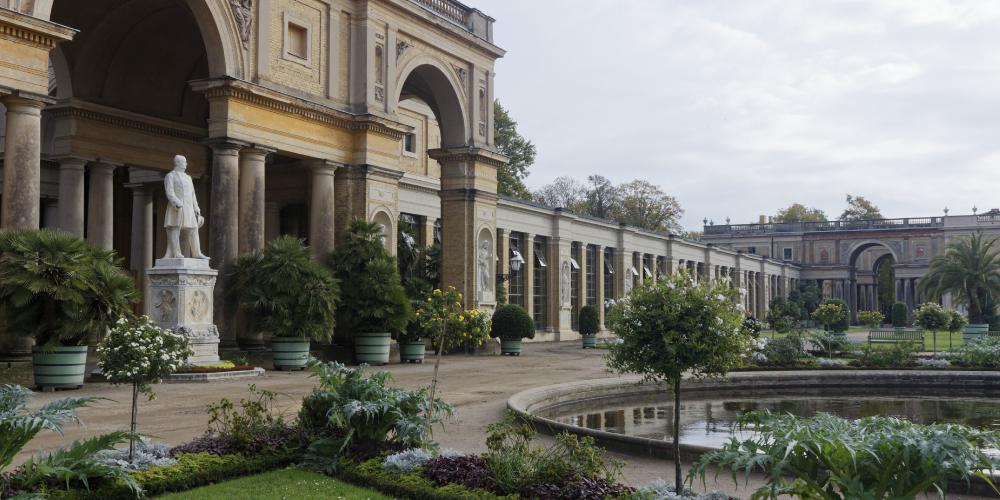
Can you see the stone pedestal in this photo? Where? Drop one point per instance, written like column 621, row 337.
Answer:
column 180, row 297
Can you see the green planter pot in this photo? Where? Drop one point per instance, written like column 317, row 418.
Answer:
column 510, row 347
column 372, row 348
column 289, row 353
column 974, row 333
column 412, row 352
column 59, row 367
column 589, row 341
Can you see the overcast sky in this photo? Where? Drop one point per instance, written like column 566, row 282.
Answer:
column 740, row 107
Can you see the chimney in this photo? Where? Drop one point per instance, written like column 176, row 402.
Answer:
column 762, row 219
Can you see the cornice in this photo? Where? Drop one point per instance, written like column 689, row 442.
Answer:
column 116, row 118
column 469, row 154
column 32, row 31
column 256, row 95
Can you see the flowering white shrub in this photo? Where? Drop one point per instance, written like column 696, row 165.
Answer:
column 933, row 363
column 139, row 353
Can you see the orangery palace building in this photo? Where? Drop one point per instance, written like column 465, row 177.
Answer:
column 297, row 116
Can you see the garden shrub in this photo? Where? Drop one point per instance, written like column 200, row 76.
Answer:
column 147, row 454
column 365, row 416
column 583, row 489
column 834, row 316
column 248, row 427
column 784, row 351
column 472, row 471
column 408, row 460
column 661, row 490
column 512, row 322
column 899, row 315
column 873, row 458
column 409, row 485
column 982, row 354
column 933, row 363
column 752, row 326
column 896, row 356
column 590, row 320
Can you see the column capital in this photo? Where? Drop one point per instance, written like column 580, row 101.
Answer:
column 103, row 167
column 19, row 100
column 72, row 162
column 226, row 146
column 257, row 150
column 323, row 167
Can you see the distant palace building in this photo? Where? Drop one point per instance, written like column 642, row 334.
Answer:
column 846, row 258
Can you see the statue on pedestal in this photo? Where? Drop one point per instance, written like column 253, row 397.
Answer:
column 183, row 214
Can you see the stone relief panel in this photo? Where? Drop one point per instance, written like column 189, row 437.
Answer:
column 199, row 306
column 165, row 304
column 243, row 15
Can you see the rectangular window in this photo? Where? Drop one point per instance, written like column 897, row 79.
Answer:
column 609, row 275
column 541, row 285
column 787, row 253
column 591, row 275
column 297, row 40
column 410, row 143
column 752, row 250
column 515, row 287
column 574, row 284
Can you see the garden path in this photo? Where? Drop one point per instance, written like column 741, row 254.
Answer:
column 478, row 386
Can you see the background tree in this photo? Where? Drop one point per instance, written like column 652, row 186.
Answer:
column 797, row 212
column 676, row 326
column 646, row 206
column 565, row 192
column 602, row 198
column 859, row 208
column 970, row 270
column 518, row 149
column 807, row 296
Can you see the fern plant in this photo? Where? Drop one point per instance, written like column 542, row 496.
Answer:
column 58, row 289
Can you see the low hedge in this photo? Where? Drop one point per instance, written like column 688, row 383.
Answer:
column 191, row 471
column 409, row 485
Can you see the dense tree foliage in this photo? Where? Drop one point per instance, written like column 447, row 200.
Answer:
column 797, row 212
column 859, row 208
column 520, row 151
column 638, row 203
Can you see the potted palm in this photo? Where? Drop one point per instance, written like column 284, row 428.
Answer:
column 377, row 307
column 65, row 294
column 590, row 325
column 512, row 324
column 970, row 270
column 286, row 294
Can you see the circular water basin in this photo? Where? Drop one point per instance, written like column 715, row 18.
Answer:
column 710, row 420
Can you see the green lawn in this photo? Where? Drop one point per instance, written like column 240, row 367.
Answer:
column 289, row 484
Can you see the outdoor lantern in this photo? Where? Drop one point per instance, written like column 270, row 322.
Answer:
column 515, row 260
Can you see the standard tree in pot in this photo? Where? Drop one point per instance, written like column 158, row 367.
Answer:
column 288, row 295
column 64, row 293
column 376, row 307
column 511, row 324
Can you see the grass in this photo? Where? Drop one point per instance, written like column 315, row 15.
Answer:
column 289, row 483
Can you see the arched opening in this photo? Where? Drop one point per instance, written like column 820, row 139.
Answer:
column 430, row 84
column 384, row 221
column 871, row 283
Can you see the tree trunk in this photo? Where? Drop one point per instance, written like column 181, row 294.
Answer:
column 434, row 381
column 678, row 484
column 135, row 415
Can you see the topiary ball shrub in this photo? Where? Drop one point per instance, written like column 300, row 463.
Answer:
column 512, row 322
column 899, row 315
column 590, row 320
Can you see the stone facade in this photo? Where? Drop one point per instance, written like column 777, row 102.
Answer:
column 296, row 116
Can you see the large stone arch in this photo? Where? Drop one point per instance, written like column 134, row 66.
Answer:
column 431, row 80
column 216, row 23
column 858, row 247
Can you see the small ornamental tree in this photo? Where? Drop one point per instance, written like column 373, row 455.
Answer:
column 956, row 323
column 873, row 319
column 899, row 314
column 590, row 320
column 136, row 352
column 830, row 315
column 676, row 326
column 933, row 318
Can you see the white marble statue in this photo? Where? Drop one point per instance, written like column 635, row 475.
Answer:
column 566, row 283
column 183, row 216
column 486, row 278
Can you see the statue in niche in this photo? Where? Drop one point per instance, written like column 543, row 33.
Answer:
column 183, row 215
column 485, row 275
column 243, row 14
column 565, row 284
column 628, row 281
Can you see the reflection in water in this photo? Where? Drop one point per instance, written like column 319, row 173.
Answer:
column 711, row 422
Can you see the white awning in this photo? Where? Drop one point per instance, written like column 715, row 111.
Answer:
column 648, row 273
column 609, row 267
column 574, row 264
column 633, row 271
column 541, row 260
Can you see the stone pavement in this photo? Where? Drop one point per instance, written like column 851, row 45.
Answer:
column 478, row 386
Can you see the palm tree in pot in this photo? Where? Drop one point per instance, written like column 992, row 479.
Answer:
column 64, row 293
column 285, row 293
column 970, row 270
column 377, row 308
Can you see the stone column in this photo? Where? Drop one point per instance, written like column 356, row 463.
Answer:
column 272, row 221
column 426, row 232
column 22, row 163
column 141, row 257
column 581, row 289
column 322, row 208
column 599, row 279
column 224, row 230
column 528, row 269
column 71, row 195
column 101, row 215
column 503, row 259
column 251, row 203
